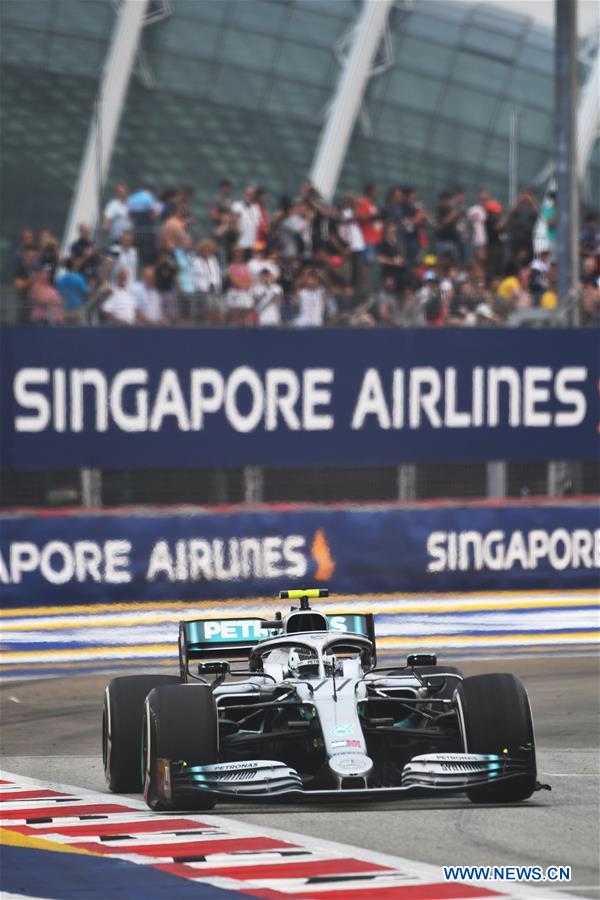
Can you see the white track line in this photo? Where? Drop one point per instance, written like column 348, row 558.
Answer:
column 410, row 871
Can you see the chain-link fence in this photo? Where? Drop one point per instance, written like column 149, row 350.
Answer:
column 337, row 484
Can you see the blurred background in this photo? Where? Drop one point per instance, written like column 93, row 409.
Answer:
column 438, row 211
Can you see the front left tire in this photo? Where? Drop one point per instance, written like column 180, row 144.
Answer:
column 122, row 716
column 495, row 718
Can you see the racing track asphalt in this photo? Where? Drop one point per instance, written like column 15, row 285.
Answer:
column 51, row 730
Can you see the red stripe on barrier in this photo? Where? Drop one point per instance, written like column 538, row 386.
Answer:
column 304, row 869
column 190, row 848
column 59, row 810
column 8, row 796
column 440, row 891
column 90, row 830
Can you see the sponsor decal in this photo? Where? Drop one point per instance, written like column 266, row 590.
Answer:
column 73, row 400
column 337, row 744
column 342, row 729
column 182, row 561
column 501, row 551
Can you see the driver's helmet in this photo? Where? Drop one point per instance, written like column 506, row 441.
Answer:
column 302, row 661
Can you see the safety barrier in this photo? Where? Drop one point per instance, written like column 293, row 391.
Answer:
column 196, row 555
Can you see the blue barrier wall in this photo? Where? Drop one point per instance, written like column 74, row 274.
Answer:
column 79, row 558
column 117, row 398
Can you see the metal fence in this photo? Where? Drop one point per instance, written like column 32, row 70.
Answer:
column 56, row 488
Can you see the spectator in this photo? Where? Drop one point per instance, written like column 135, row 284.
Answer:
column 84, row 244
column 89, row 266
column 116, row 219
column 25, row 269
column 389, row 256
column 590, row 270
column 548, row 217
column 226, row 236
column 169, row 203
column 295, row 229
column 185, row 258
column 447, row 239
column 477, row 215
column 268, row 298
column 174, row 231
column 222, row 203
column 484, row 316
column 259, row 261
column 462, row 304
column 45, row 301
column 589, row 238
column 538, row 278
column 414, row 221
column 208, row 281
column 351, row 235
column 26, row 242
column 513, row 292
column 165, row 280
column 324, row 236
column 462, row 236
column 120, row 307
column 549, row 298
column 264, row 224
column 519, row 224
column 311, row 301
column 239, row 298
column 74, row 290
column 148, row 302
column 385, row 310
column 590, row 306
column 369, row 218
column 48, row 253
column 125, row 259
column 144, row 209
column 394, row 207
column 433, row 310
column 249, row 218
column 493, row 233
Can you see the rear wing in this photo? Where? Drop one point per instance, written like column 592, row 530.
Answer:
column 234, row 638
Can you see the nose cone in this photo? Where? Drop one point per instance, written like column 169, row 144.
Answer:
column 350, row 765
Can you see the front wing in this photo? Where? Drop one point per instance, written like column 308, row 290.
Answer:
column 257, row 780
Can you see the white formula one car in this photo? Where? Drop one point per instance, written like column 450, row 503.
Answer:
column 312, row 716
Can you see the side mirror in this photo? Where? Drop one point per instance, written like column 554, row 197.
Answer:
column 218, row 667
column 421, row 659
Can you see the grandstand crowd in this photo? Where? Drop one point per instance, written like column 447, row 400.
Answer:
column 366, row 261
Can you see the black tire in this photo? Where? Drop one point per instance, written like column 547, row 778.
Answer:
column 443, row 687
column 495, row 717
column 122, row 729
column 180, row 723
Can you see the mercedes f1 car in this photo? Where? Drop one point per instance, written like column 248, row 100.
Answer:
column 312, row 716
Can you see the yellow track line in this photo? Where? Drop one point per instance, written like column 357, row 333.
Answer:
column 164, row 615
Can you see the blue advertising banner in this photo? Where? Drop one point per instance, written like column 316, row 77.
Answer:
column 104, row 558
column 115, row 398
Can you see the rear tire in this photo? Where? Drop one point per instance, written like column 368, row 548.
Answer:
column 122, row 729
column 180, row 723
column 495, row 717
